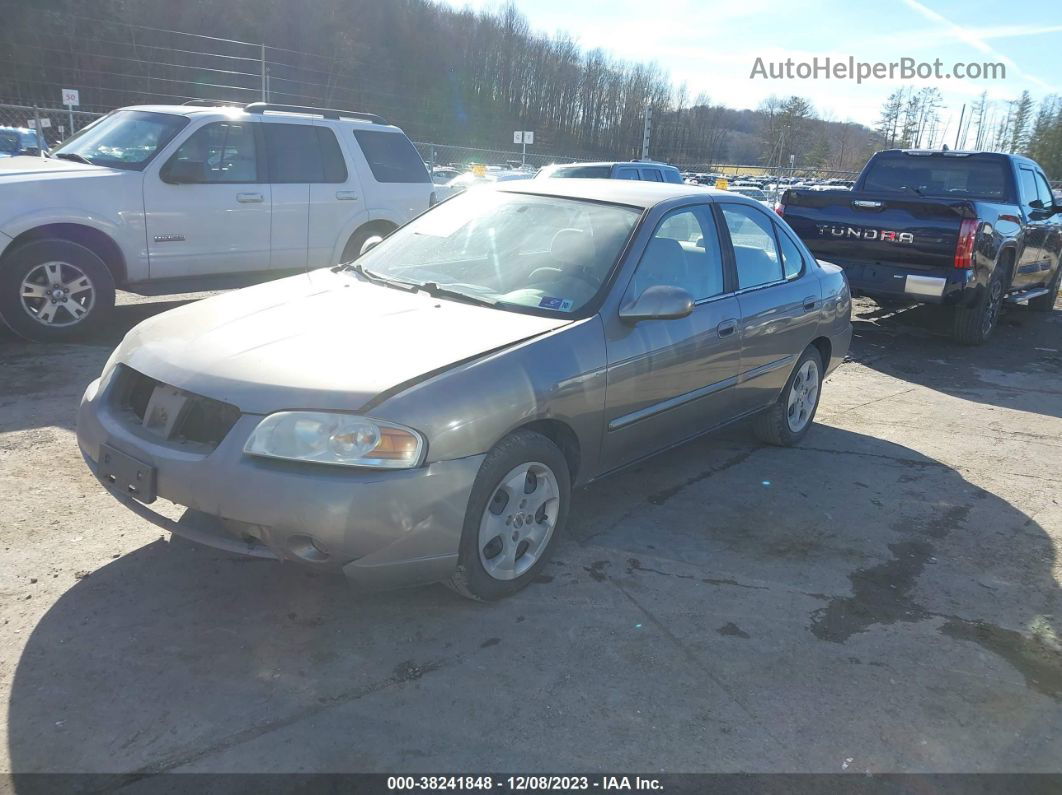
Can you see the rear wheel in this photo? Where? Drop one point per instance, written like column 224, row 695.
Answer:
column 1045, row 303
column 518, row 507
column 973, row 325
column 357, row 242
column 54, row 291
column 787, row 421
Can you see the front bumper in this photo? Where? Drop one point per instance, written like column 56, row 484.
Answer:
column 933, row 286
column 382, row 528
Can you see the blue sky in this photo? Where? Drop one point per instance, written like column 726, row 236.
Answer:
column 712, row 46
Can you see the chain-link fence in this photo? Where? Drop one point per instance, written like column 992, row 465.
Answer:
column 55, row 125
column 731, row 170
column 461, row 157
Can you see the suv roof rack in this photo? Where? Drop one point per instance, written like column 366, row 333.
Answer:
column 210, row 103
column 328, row 113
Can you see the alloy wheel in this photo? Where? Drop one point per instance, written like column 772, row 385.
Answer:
column 57, row 294
column 518, row 521
column 803, row 393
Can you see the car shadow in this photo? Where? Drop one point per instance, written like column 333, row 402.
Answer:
column 1019, row 368
column 846, row 548
column 55, row 375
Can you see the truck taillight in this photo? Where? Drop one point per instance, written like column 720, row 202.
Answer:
column 779, row 208
column 964, row 247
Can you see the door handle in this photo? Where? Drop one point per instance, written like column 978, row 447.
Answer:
column 346, row 195
column 809, row 303
column 248, row 198
column 726, row 328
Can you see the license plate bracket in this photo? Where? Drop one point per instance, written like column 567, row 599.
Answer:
column 126, row 474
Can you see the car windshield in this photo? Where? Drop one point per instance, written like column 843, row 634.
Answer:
column 581, row 172
column 938, row 175
column 126, row 139
column 752, row 193
column 10, row 141
column 515, row 251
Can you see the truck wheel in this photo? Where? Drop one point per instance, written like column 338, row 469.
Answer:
column 787, row 421
column 1045, row 303
column 54, row 291
column 973, row 325
column 518, row 507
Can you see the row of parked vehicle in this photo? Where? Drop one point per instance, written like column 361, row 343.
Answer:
column 422, row 411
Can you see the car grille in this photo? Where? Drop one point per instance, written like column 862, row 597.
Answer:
column 199, row 420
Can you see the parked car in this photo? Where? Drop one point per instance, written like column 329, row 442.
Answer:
column 965, row 229
column 162, row 198
column 472, row 179
column 756, row 194
column 510, row 344
column 646, row 170
column 15, row 141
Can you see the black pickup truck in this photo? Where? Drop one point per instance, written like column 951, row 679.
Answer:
column 965, row 229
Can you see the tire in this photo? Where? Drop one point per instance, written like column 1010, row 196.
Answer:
column 973, row 325
column 76, row 291
column 352, row 250
column 490, row 566
column 1045, row 303
column 788, row 419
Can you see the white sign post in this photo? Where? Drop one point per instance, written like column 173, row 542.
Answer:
column 523, row 137
column 71, row 97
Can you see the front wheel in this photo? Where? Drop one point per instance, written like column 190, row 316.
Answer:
column 54, row 291
column 517, row 509
column 787, row 421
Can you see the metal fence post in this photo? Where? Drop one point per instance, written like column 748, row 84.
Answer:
column 39, row 131
column 265, row 88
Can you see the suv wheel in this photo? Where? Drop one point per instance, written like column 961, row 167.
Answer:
column 974, row 324
column 517, row 508
column 1045, row 303
column 54, row 291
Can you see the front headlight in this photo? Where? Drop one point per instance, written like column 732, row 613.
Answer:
column 345, row 439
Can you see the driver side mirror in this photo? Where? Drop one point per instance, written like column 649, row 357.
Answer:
column 182, row 172
column 659, row 302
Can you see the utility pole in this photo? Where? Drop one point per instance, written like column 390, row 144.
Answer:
column 265, row 86
column 647, row 131
column 958, row 129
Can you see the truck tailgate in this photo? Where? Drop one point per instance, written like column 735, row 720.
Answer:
column 850, row 227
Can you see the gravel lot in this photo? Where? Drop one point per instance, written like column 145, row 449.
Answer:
column 884, row 597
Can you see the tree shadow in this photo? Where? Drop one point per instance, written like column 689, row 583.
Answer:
column 1019, row 368
column 846, row 546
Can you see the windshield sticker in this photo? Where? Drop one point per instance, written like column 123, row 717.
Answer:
column 560, row 304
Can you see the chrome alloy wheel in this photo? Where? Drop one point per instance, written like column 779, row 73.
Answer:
column 803, row 393
column 57, row 294
column 518, row 521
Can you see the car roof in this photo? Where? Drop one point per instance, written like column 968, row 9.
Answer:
column 615, row 163
column 222, row 112
column 634, row 193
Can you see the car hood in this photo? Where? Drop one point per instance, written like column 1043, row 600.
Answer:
column 32, row 166
column 321, row 340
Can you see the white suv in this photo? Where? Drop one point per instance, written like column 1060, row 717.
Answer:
column 174, row 198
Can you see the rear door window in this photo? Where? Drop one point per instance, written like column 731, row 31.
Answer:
column 938, row 175
column 651, row 174
column 391, row 157
column 755, row 250
column 626, row 173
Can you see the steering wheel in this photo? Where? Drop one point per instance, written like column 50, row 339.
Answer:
column 578, row 272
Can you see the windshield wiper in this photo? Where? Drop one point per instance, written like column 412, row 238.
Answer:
column 358, row 268
column 73, row 157
column 435, row 291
